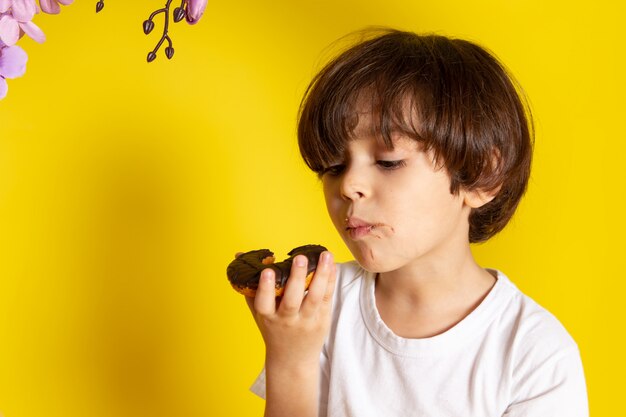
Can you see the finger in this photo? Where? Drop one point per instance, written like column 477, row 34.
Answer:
column 319, row 284
column 265, row 299
column 327, row 301
column 294, row 289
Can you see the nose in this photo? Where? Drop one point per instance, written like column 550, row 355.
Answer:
column 353, row 184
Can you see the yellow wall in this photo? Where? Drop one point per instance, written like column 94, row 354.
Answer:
column 125, row 188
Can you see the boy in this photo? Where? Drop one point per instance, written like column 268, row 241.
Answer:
column 423, row 146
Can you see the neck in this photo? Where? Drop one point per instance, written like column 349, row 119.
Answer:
column 422, row 279
column 436, row 295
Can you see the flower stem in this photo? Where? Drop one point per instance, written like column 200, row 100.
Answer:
column 164, row 36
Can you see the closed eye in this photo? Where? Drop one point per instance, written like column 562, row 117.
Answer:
column 391, row 165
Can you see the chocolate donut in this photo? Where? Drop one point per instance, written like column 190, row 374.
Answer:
column 245, row 271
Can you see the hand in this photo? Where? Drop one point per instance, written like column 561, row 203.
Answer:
column 294, row 326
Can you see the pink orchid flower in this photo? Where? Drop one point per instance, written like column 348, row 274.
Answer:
column 23, row 10
column 12, row 64
column 52, row 6
column 15, row 19
column 195, row 9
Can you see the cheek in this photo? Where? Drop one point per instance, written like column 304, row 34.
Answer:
column 333, row 205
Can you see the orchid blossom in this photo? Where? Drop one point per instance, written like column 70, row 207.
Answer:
column 15, row 20
column 52, row 6
column 12, row 64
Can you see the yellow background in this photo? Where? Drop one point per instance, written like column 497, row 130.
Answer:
column 126, row 187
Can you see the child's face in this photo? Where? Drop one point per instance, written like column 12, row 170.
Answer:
column 393, row 208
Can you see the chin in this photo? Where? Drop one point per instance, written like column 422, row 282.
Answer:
column 368, row 260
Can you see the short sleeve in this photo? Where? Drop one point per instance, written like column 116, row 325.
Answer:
column 555, row 388
column 258, row 387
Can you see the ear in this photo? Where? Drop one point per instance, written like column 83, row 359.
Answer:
column 478, row 198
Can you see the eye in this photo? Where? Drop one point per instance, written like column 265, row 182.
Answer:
column 333, row 170
column 391, row 165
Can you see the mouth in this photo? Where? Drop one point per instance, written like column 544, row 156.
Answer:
column 357, row 228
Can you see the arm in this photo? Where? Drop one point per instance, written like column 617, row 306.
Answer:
column 294, row 330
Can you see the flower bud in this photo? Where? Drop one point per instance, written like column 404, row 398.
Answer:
column 179, row 14
column 195, row 9
column 151, row 56
column 99, row 6
column 169, row 52
column 148, row 25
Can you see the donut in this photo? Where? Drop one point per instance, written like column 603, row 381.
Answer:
column 245, row 271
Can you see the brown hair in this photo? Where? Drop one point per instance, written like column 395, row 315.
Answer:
column 462, row 103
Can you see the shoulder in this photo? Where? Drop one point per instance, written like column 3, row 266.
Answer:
column 533, row 326
column 543, row 357
column 544, row 364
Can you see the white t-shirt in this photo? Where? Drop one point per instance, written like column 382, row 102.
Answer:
column 509, row 357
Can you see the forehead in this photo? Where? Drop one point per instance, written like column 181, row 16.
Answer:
column 397, row 140
column 398, row 131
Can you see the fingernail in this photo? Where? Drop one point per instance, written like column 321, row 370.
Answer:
column 326, row 258
column 267, row 275
column 300, row 260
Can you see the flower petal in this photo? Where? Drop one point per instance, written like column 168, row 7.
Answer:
column 24, row 10
column 50, row 6
column 66, row 2
column 9, row 30
column 4, row 5
column 195, row 9
column 33, row 31
column 4, row 88
column 13, row 62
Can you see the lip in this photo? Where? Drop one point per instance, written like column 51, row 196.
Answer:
column 358, row 228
